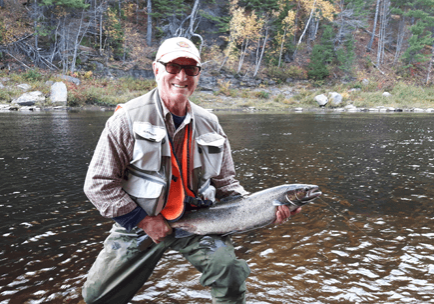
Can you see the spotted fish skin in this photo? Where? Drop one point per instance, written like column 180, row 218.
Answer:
column 248, row 212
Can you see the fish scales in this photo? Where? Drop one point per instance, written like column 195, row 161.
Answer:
column 246, row 213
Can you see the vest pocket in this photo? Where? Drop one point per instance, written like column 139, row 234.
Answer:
column 210, row 147
column 148, row 145
column 148, row 191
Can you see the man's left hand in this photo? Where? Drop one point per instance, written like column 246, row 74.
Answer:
column 283, row 213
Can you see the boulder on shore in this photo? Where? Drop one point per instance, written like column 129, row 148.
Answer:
column 29, row 99
column 335, row 98
column 321, row 100
column 59, row 93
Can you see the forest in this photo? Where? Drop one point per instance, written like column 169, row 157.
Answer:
column 318, row 40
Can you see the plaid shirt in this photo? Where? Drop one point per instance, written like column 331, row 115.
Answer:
column 114, row 151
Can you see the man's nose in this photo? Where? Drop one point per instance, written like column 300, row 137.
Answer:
column 181, row 75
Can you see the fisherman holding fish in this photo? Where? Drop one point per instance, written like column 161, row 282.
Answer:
column 158, row 157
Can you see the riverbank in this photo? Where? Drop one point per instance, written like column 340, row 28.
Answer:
column 298, row 95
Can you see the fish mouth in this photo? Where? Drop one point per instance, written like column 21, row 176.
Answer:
column 302, row 194
column 312, row 193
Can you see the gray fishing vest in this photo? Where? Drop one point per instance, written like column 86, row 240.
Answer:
column 147, row 178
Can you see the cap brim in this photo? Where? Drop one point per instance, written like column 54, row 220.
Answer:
column 175, row 55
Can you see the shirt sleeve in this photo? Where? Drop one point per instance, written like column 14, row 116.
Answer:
column 103, row 184
column 130, row 220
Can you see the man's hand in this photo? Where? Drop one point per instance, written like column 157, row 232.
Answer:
column 156, row 227
column 283, row 213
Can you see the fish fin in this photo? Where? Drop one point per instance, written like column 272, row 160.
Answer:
column 179, row 233
column 247, row 230
column 230, row 198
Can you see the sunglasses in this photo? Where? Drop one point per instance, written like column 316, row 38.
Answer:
column 174, row 68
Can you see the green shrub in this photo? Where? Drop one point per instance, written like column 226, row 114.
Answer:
column 285, row 72
column 262, row 95
column 224, row 89
column 4, row 96
column 32, row 75
column 279, row 98
column 134, row 84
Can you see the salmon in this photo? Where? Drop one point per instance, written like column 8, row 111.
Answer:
column 245, row 213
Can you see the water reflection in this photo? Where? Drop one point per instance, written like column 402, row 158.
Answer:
column 369, row 239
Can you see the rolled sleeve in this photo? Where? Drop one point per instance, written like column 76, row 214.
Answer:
column 103, row 184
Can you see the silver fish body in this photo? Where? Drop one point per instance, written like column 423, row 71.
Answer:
column 246, row 213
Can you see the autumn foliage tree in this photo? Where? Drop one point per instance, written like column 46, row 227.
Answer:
column 247, row 35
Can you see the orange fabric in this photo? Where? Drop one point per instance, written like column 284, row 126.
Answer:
column 178, row 187
column 184, row 164
column 175, row 201
column 119, row 106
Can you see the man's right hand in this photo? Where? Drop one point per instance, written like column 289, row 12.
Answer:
column 156, row 227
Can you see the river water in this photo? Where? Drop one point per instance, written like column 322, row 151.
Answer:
column 370, row 238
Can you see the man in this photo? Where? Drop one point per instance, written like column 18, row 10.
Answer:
column 158, row 156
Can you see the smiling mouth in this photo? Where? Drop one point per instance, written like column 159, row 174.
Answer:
column 178, row 86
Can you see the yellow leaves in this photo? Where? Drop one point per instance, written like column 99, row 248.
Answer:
column 287, row 23
column 322, row 9
column 289, row 20
column 88, row 75
column 327, row 9
column 244, row 25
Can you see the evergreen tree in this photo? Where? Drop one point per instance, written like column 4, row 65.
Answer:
column 422, row 12
column 322, row 55
column 260, row 5
column 417, row 42
column 317, row 69
column 114, row 32
column 346, row 55
column 65, row 3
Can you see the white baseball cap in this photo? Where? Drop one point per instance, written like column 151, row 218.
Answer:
column 177, row 47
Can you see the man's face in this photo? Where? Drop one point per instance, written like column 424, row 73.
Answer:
column 175, row 88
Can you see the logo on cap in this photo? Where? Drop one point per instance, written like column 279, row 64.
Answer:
column 183, row 44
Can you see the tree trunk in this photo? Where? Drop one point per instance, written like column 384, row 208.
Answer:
column 400, row 39
column 380, row 35
column 101, row 28
column 296, row 23
column 377, row 8
column 258, row 65
column 35, row 23
column 341, row 27
column 281, row 46
column 149, row 29
column 56, row 46
column 193, row 20
column 227, row 55
column 76, row 44
column 95, row 20
column 243, row 54
column 428, row 75
column 383, row 31
column 305, row 29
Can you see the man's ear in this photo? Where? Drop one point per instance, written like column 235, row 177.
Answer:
column 155, row 68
